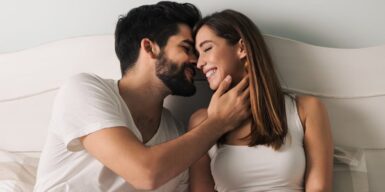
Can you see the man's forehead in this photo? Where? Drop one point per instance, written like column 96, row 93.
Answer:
column 184, row 35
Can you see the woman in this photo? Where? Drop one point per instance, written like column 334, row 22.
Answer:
column 286, row 145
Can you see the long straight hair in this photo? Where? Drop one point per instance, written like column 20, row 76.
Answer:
column 269, row 124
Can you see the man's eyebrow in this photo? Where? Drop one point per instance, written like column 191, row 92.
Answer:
column 189, row 42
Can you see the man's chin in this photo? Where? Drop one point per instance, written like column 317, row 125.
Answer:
column 185, row 93
column 190, row 91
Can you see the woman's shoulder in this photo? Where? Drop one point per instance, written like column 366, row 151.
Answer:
column 197, row 118
column 308, row 103
column 310, row 108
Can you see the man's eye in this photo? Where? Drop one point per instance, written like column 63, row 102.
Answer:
column 190, row 51
column 187, row 49
column 196, row 52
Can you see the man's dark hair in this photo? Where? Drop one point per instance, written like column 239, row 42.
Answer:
column 156, row 22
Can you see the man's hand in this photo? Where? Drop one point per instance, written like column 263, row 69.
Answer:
column 230, row 108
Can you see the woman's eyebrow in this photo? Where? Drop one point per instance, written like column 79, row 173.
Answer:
column 204, row 42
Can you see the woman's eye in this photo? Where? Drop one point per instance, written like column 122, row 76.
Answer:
column 207, row 49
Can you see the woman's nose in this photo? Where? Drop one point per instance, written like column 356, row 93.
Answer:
column 200, row 63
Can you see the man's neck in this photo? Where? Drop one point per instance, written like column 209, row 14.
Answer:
column 143, row 95
column 145, row 103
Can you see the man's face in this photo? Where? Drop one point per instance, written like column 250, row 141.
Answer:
column 176, row 61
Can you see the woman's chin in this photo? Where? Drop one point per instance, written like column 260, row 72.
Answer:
column 213, row 86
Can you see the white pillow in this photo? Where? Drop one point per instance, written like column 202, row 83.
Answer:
column 17, row 172
column 350, row 172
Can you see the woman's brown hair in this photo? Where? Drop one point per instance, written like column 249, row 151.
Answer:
column 269, row 125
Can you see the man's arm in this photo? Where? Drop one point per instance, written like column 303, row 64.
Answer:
column 150, row 167
column 201, row 179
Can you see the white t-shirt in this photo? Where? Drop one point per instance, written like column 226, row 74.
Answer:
column 260, row 168
column 87, row 103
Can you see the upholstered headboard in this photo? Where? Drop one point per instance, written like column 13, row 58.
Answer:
column 348, row 81
column 352, row 85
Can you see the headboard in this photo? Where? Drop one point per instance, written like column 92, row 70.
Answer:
column 348, row 81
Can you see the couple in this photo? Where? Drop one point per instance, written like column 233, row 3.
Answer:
column 108, row 135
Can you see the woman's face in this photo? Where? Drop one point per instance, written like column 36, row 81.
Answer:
column 217, row 58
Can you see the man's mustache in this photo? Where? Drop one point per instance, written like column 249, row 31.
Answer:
column 190, row 66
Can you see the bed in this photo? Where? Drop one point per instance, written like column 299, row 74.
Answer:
column 348, row 81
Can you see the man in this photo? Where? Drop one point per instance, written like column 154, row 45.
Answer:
column 108, row 135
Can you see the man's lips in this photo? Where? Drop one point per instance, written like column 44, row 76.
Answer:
column 189, row 72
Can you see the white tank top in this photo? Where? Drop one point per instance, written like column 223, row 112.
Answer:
column 260, row 168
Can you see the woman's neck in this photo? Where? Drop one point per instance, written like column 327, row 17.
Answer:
column 238, row 136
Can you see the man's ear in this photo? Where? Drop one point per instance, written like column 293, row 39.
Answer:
column 150, row 47
column 242, row 53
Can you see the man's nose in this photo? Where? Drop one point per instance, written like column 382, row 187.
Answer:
column 193, row 59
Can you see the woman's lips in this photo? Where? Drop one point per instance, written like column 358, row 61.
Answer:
column 210, row 73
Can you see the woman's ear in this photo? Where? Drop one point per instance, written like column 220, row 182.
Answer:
column 242, row 53
column 150, row 47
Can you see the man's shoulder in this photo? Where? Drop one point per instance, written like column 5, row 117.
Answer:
column 169, row 117
column 178, row 125
column 84, row 86
column 83, row 77
column 86, row 81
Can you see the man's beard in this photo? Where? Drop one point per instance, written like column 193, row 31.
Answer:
column 174, row 77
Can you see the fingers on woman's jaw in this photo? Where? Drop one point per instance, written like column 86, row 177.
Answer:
column 223, row 86
column 246, row 93
column 242, row 85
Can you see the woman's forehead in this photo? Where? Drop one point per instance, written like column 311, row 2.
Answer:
column 204, row 34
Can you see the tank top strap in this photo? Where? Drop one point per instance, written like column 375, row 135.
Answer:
column 293, row 120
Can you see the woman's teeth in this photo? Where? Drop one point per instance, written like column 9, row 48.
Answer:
column 210, row 73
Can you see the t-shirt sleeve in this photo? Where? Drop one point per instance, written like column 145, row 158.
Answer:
column 212, row 151
column 84, row 104
column 179, row 125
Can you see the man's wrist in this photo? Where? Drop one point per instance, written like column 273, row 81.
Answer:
column 217, row 125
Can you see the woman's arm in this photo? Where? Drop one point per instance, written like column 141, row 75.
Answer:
column 201, row 179
column 318, row 144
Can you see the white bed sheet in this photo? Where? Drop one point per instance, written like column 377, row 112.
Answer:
column 17, row 171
